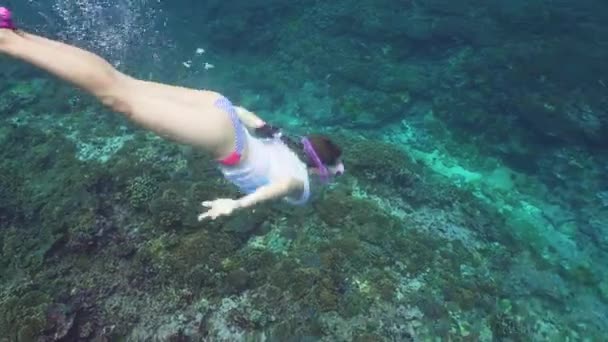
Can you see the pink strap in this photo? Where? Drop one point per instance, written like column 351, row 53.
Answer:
column 312, row 154
column 233, row 159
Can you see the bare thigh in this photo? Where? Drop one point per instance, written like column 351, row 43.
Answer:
column 183, row 115
column 189, row 117
column 176, row 93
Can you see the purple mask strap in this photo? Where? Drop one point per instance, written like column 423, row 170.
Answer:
column 310, row 152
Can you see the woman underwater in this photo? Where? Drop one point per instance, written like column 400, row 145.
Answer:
column 264, row 169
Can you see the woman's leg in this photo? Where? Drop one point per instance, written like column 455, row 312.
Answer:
column 176, row 93
column 184, row 115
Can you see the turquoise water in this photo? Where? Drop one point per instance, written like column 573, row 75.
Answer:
column 474, row 207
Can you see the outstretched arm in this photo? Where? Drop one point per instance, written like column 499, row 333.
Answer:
column 225, row 206
column 270, row 192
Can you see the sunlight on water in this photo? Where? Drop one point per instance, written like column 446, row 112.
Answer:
column 474, row 206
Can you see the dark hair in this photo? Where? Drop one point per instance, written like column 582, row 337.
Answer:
column 326, row 149
column 328, row 152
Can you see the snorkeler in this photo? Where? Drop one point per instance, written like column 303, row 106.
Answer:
column 263, row 163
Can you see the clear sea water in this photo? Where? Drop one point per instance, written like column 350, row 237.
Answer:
column 474, row 206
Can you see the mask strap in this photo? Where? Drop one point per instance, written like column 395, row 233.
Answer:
column 310, row 152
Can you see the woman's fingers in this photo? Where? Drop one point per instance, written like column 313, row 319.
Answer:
column 218, row 208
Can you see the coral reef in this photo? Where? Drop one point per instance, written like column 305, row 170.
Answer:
column 473, row 207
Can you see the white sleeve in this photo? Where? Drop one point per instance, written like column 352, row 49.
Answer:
column 305, row 195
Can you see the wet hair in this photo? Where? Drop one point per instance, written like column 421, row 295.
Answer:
column 328, row 152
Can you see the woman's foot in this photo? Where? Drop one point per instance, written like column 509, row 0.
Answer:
column 6, row 23
column 6, row 19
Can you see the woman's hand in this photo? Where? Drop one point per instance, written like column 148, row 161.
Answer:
column 218, row 207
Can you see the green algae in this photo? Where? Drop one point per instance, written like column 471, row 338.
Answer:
column 23, row 317
column 141, row 191
column 365, row 251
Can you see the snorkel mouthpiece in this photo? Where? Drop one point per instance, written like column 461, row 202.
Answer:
column 322, row 170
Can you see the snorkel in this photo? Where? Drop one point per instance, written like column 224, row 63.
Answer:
column 322, row 170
